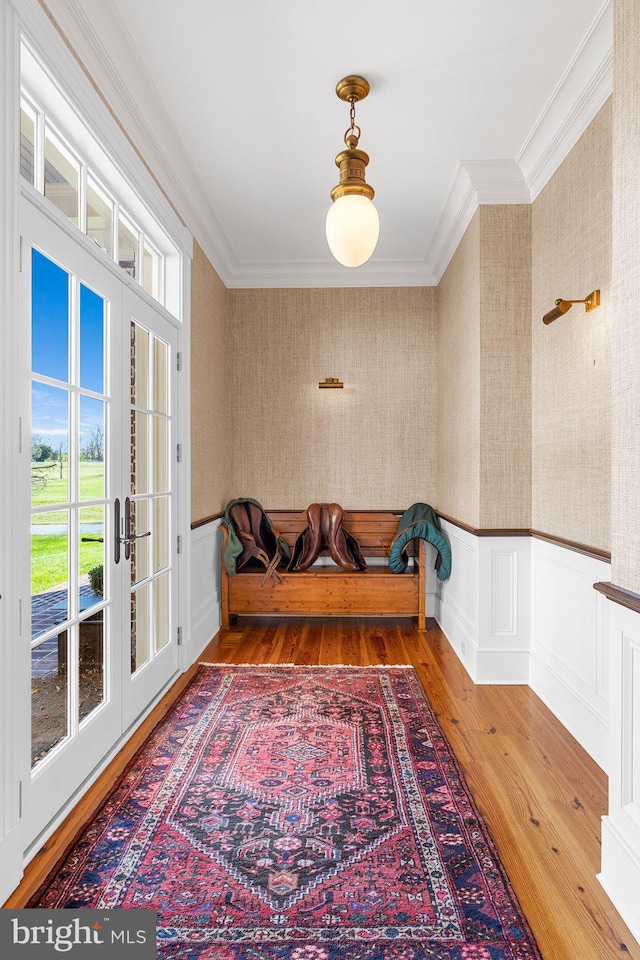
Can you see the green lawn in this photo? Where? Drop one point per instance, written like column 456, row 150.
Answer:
column 49, row 561
column 47, row 486
column 49, row 553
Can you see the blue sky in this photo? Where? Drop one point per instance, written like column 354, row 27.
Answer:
column 50, row 352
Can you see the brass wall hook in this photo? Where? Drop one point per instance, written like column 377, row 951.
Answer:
column 331, row 383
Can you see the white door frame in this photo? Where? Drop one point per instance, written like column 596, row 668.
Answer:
column 46, row 788
column 18, row 17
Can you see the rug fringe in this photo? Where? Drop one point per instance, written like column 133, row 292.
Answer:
column 317, row 666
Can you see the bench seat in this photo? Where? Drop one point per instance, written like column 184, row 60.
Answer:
column 328, row 590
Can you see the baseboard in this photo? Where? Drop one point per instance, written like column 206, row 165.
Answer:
column 589, row 727
column 620, row 874
column 12, row 862
column 206, row 628
column 501, row 666
column 457, row 633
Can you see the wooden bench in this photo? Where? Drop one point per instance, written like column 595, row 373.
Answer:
column 330, row 591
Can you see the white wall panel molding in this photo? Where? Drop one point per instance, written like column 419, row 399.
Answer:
column 483, row 608
column 206, row 546
column 620, row 875
column 569, row 660
column 431, row 581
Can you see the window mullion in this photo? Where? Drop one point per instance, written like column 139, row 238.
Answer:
column 82, row 198
column 39, row 153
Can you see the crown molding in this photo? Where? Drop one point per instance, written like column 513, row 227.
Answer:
column 582, row 91
column 94, row 27
column 475, row 182
column 328, row 273
column 168, row 165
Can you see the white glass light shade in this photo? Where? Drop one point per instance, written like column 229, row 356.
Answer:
column 352, row 229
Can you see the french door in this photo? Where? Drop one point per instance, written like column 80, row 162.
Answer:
column 99, row 364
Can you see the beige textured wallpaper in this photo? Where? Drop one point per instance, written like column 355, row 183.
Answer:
column 571, row 449
column 505, row 366
column 371, row 445
column 484, row 364
column 458, row 461
column 626, row 297
column 210, row 479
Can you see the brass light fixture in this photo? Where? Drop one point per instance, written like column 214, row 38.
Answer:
column 562, row 306
column 352, row 221
column 331, row 383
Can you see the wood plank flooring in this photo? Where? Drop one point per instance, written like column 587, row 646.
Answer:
column 540, row 794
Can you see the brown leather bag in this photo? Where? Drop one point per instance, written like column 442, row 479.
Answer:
column 325, row 532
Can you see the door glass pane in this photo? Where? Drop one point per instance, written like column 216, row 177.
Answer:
column 27, row 144
column 151, row 270
column 91, row 463
column 160, row 376
column 99, row 217
column 140, row 548
column 91, row 663
column 127, row 246
column 61, row 176
column 49, row 570
column 49, row 445
column 161, row 454
column 49, row 318
column 140, row 626
column 91, row 340
column 139, row 452
column 161, row 533
column 161, row 599
column 91, row 558
column 139, row 366
column 49, row 695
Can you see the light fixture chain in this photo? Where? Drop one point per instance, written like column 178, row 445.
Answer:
column 352, row 113
column 353, row 134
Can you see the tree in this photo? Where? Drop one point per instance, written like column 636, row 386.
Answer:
column 93, row 448
column 40, row 451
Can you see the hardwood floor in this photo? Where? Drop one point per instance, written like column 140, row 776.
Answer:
column 540, row 794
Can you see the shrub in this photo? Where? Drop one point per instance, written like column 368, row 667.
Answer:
column 96, row 579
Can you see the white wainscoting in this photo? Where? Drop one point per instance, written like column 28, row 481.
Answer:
column 206, row 546
column 484, row 606
column 620, row 875
column 431, row 580
column 569, row 644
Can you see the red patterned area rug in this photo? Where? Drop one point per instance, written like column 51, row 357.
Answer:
column 299, row 813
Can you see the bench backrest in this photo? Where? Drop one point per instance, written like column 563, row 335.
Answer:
column 373, row 529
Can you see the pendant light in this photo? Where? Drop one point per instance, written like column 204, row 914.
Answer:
column 352, row 221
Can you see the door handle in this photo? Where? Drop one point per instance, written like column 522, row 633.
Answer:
column 116, row 529
column 127, row 529
column 130, row 537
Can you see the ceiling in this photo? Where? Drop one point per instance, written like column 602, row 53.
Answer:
column 248, row 92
